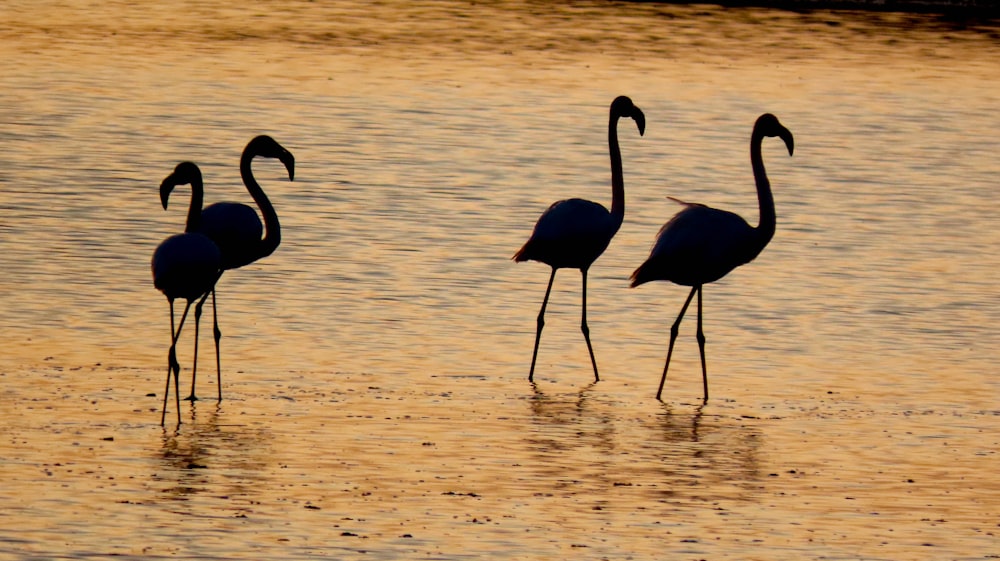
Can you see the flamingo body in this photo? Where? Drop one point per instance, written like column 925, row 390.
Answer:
column 186, row 266
column 236, row 229
column 573, row 233
column 697, row 246
column 700, row 244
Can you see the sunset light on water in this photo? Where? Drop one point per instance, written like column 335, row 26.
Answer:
column 375, row 365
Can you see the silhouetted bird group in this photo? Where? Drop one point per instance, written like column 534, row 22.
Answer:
column 222, row 236
column 699, row 245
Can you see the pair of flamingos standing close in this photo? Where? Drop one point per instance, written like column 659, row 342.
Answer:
column 219, row 237
column 698, row 245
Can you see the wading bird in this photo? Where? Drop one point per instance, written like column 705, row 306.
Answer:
column 238, row 232
column 701, row 244
column 573, row 233
column 184, row 266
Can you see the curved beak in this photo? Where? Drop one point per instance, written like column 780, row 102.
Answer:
column 288, row 159
column 786, row 135
column 165, row 188
column 640, row 120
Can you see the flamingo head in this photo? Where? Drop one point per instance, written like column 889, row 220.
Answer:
column 622, row 106
column 768, row 125
column 268, row 147
column 184, row 173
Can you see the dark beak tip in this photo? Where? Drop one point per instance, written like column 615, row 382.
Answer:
column 165, row 188
column 789, row 142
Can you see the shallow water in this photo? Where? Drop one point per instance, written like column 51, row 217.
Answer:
column 374, row 366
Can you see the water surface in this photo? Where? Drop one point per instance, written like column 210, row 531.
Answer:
column 374, row 365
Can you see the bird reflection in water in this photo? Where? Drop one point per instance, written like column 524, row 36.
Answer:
column 703, row 456
column 209, row 456
column 572, row 440
column 585, row 443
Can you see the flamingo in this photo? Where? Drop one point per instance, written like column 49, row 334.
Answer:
column 184, row 266
column 701, row 244
column 573, row 233
column 239, row 234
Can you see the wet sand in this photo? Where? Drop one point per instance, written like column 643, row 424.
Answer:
column 359, row 466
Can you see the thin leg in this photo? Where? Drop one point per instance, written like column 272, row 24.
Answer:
column 541, row 323
column 585, row 329
column 177, row 388
column 197, row 331
column 173, row 365
column 701, row 347
column 177, row 365
column 218, row 337
column 673, row 337
column 170, row 365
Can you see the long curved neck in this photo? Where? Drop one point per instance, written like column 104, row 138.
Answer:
column 272, row 233
column 617, row 177
column 194, row 209
column 768, row 221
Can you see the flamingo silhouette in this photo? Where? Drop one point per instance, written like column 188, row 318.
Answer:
column 701, row 244
column 239, row 234
column 573, row 233
column 184, row 266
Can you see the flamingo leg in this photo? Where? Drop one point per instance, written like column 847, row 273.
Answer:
column 701, row 347
column 541, row 324
column 218, row 337
column 194, row 368
column 170, row 364
column 586, row 329
column 173, row 365
column 674, row 329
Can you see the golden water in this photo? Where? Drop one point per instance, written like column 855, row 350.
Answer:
column 374, row 366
